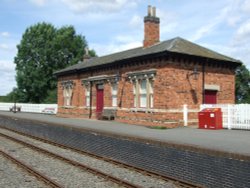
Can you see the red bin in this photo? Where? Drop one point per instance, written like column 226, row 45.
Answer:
column 210, row 118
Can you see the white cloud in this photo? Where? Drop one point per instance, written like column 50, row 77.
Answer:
column 210, row 26
column 237, row 10
column 230, row 15
column 240, row 43
column 117, row 46
column 7, row 76
column 246, row 6
column 38, row 2
column 4, row 47
column 5, row 34
column 107, row 6
column 6, row 66
column 135, row 21
column 243, row 33
column 168, row 21
column 124, row 39
column 103, row 49
column 202, row 31
column 233, row 20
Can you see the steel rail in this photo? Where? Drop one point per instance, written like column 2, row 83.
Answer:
column 177, row 182
column 94, row 171
column 32, row 171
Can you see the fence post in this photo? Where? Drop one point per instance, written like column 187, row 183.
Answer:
column 185, row 115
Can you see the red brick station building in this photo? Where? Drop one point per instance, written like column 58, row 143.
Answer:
column 147, row 85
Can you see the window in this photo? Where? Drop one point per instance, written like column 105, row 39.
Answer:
column 67, row 87
column 67, row 94
column 135, row 94
column 87, row 95
column 143, row 93
column 151, row 96
column 114, row 94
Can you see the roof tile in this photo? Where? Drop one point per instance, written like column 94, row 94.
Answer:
column 176, row 45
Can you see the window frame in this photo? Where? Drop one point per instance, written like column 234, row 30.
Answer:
column 67, row 89
column 114, row 93
column 151, row 94
column 147, row 93
column 143, row 94
column 87, row 96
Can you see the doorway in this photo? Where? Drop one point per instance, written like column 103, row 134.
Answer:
column 210, row 97
column 99, row 101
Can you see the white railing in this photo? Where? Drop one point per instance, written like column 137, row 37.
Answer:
column 235, row 116
column 34, row 108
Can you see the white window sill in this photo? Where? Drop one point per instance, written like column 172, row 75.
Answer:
column 145, row 110
column 68, row 107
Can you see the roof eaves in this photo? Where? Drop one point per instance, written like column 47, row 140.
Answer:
column 64, row 72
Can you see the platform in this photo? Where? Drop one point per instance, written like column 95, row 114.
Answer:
column 231, row 141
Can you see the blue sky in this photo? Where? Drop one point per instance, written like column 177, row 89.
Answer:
column 115, row 25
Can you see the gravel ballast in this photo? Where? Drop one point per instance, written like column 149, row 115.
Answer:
column 13, row 176
column 119, row 172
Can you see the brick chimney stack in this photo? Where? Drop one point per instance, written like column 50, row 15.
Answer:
column 86, row 55
column 151, row 28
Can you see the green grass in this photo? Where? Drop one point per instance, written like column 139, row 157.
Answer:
column 158, row 127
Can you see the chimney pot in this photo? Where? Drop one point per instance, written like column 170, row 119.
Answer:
column 154, row 11
column 149, row 10
column 86, row 56
column 86, row 49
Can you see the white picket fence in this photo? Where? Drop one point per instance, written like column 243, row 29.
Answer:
column 235, row 116
column 34, row 108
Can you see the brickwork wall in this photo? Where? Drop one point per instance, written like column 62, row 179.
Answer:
column 107, row 95
column 151, row 33
column 173, row 86
column 226, row 80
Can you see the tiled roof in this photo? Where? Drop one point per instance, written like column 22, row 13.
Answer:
column 176, row 45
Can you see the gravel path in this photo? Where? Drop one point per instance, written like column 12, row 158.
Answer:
column 126, row 174
column 13, row 176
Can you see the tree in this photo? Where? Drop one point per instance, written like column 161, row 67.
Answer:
column 242, row 91
column 43, row 50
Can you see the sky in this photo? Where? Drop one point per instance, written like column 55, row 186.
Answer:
column 116, row 25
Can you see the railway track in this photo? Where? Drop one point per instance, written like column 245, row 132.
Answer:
column 175, row 182
column 96, row 172
column 41, row 177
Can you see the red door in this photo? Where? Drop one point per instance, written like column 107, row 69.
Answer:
column 99, row 101
column 210, row 97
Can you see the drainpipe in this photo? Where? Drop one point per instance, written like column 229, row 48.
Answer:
column 90, row 97
column 203, row 81
column 90, row 100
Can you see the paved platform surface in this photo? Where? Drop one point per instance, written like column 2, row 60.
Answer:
column 233, row 141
